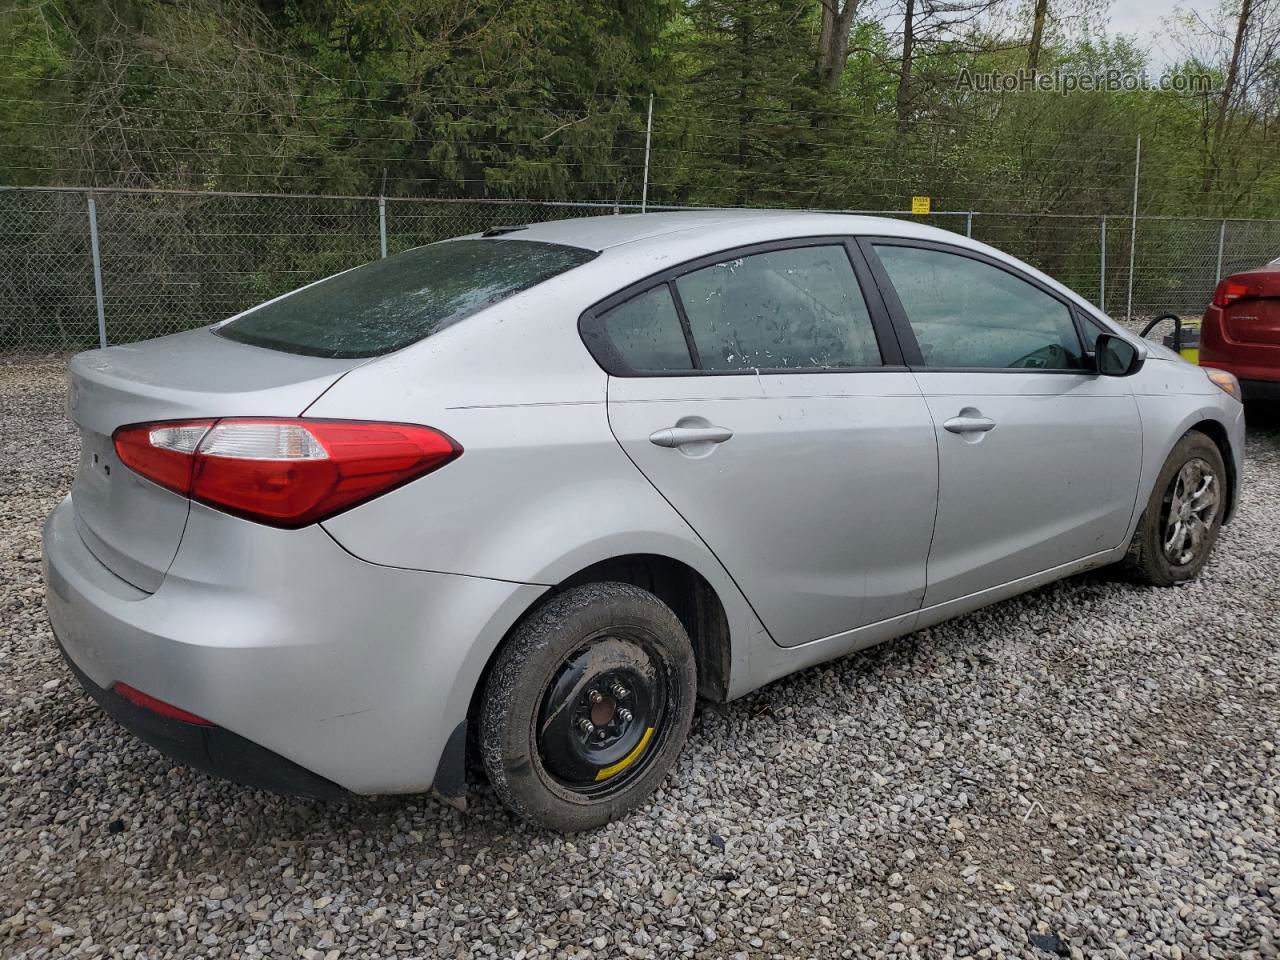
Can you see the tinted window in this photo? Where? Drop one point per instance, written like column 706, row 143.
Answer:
column 793, row 309
column 391, row 303
column 966, row 313
column 646, row 333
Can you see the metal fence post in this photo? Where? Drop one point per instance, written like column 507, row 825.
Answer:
column 382, row 225
column 968, row 224
column 1222, row 242
column 648, row 137
column 1102, row 264
column 1133, row 229
column 97, row 271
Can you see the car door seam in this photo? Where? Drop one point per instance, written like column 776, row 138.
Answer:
column 337, row 380
column 1142, row 456
column 937, row 486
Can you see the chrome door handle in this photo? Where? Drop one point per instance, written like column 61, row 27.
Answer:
column 969, row 424
column 679, row 436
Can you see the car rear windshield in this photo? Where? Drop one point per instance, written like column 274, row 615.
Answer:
column 391, row 303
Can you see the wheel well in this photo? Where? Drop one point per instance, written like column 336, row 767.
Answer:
column 689, row 596
column 1218, row 434
column 676, row 584
column 679, row 586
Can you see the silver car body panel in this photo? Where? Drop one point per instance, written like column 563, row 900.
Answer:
column 860, row 447
column 193, row 374
column 1173, row 396
column 1054, row 481
column 770, row 665
column 130, row 524
column 349, row 669
column 354, row 647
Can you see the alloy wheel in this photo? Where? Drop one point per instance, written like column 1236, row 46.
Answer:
column 1190, row 507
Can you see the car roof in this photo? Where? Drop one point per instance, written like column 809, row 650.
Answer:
column 647, row 241
column 600, row 233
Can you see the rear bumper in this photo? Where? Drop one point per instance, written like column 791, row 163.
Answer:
column 1255, row 360
column 209, row 748
column 352, row 674
column 1261, row 389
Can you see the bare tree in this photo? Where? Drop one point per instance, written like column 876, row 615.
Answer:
column 1038, row 17
column 1233, row 69
column 1243, row 46
column 933, row 25
column 833, row 41
column 908, row 54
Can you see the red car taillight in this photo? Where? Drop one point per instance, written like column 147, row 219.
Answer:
column 283, row 472
column 1229, row 291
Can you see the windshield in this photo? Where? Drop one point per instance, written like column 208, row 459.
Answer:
column 391, row 303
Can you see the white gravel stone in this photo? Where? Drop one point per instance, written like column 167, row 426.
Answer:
column 1089, row 770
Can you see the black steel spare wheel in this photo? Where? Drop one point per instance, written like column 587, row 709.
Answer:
column 587, row 705
column 600, row 713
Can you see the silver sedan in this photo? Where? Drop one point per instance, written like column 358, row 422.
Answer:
column 532, row 492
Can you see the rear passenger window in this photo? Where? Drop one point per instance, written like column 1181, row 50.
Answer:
column 645, row 331
column 799, row 308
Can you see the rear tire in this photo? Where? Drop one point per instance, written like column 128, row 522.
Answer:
column 1183, row 515
column 587, row 706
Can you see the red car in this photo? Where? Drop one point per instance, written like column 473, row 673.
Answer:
column 1240, row 332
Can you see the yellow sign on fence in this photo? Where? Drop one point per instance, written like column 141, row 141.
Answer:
column 920, row 205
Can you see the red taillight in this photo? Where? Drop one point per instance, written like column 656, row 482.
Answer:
column 1229, row 291
column 148, row 702
column 283, row 472
column 164, row 453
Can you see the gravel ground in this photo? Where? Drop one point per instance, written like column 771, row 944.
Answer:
column 1089, row 770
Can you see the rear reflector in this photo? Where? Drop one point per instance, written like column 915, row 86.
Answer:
column 148, row 702
column 282, row 472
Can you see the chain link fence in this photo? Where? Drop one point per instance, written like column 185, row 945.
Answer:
column 170, row 261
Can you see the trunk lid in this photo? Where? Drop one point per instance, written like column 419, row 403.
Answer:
column 129, row 523
column 1255, row 321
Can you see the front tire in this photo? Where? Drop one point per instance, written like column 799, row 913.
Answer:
column 1183, row 515
column 587, row 706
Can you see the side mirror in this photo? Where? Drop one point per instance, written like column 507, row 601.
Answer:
column 1117, row 357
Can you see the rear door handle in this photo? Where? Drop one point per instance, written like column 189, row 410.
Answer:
column 969, row 423
column 679, row 436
